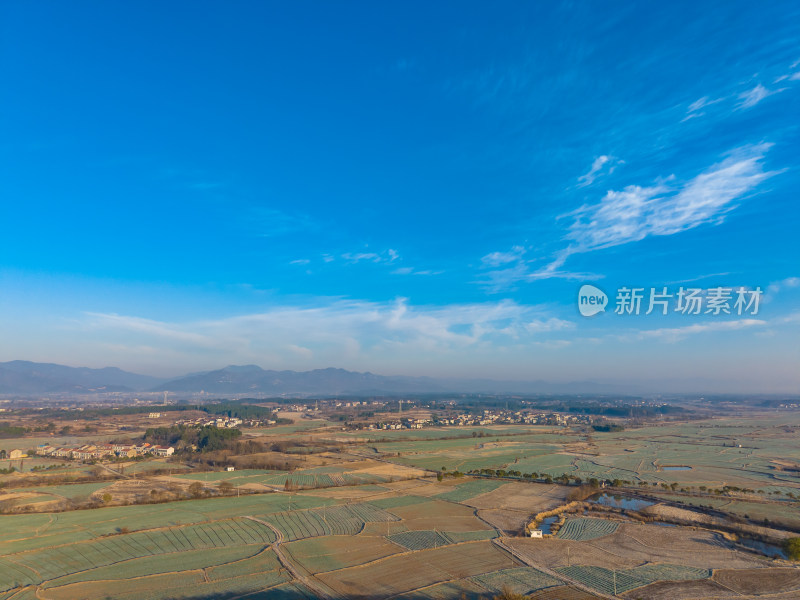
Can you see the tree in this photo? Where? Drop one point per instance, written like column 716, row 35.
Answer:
column 507, row 594
column 792, row 548
column 106, row 498
column 225, row 487
column 196, row 489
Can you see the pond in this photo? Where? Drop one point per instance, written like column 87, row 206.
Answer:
column 676, row 468
column 764, row 548
column 546, row 524
column 618, row 501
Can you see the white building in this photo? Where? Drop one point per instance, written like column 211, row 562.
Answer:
column 536, row 533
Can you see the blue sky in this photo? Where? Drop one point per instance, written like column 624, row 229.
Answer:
column 407, row 189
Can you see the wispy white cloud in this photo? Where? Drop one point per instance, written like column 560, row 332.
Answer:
column 412, row 271
column 776, row 287
column 387, row 256
column 552, row 324
column 753, row 96
column 698, row 278
column 343, row 333
column 695, row 109
column 675, row 334
column 495, row 259
column 602, row 165
column 700, row 104
column 152, row 328
column 300, row 261
column 638, row 212
column 522, row 269
column 744, row 99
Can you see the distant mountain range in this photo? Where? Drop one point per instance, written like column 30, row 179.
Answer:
column 26, row 378
column 250, row 378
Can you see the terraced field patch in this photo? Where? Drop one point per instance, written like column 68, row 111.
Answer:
column 161, row 563
column 345, row 519
column 470, row 489
column 582, row 530
column 621, row 581
column 330, row 553
column 410, row 572
column 397, row 501
column 522, row 580
column 37, row 566
column 421, row 540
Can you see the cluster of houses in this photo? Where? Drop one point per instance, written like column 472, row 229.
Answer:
column 227, row 422
column 92, row 452
column 488, row 417
column 14, row 454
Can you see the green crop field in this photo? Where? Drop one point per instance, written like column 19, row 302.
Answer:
column 398, row 501
column 348, row 519
column 621, row 581
column 523, row 580
column 161, row 563
column 471, row 536
column 421, row 540
column 586, row 529
column 34, row 567
column 470, row 489
column 371, row 531
column 69, row 491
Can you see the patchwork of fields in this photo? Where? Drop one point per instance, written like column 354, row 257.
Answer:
column 351, row 525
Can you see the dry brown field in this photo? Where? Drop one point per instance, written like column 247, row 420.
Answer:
column 704, row 589
column 416, row 570
column 562, row 592
column 759, row 581
column 635, row 544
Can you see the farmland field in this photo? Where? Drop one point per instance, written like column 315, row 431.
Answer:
column 586, row 529
column 421, row 540
column 369, row 521
column 37, row 566
column 523, row 580
column 618, row 582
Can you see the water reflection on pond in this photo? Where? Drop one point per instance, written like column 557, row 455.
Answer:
column 763, row 548
column 619, row 501
column 546, row 524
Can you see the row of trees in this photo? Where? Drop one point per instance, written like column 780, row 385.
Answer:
column 205, row 438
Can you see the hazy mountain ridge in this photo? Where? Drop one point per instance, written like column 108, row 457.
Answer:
column 25, row 377
column 250, row 378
